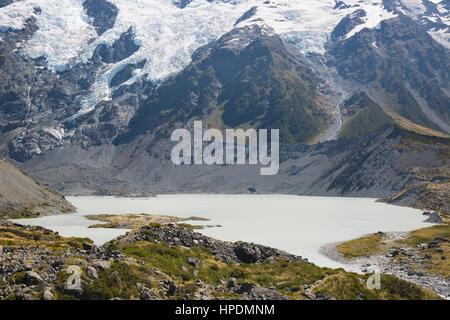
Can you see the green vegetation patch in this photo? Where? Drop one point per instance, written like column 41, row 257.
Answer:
column 427, row 234
column 363, row 116
column 349, row 286
column 289, row 277
column 18, row 236
column 364, row 246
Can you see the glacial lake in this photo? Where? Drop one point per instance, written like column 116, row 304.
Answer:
column 297, row 224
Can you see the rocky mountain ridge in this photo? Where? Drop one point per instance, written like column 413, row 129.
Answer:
column 57, row 124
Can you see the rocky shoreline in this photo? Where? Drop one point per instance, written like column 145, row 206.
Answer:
column 386, row 264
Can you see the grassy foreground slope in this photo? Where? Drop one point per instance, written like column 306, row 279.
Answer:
column 172, row 262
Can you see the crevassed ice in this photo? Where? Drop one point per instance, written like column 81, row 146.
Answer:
column 63, row 29
column 168, row 35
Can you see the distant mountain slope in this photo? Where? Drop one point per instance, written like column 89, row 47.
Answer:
column 402, row 68
column 374, row 165
column 22, row 196
column 362, row 116
column 79, row 83
column 247, row 78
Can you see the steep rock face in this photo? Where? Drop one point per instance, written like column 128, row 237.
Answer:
column 402, row 68
column 21, row 196
column 248, row 76
column 61, row 124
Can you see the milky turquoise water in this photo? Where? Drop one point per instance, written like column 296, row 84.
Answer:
column 299, row 225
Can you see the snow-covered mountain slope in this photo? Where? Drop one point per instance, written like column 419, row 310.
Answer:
column 75, row 71
column 168, row 33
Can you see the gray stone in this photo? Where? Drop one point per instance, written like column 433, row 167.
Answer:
column 32, row 278
column 194, row 261
column 91, row 272
column 47, row 295
column 232, row 283
column 247, row 287
column 101, row 264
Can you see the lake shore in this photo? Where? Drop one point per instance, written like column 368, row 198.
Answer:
column 406, row 262
column 279, row 221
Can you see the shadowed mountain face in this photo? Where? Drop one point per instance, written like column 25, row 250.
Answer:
column 362, row 116
column 246, row 78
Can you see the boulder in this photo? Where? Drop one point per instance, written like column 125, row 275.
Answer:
column 246, row 287
column 247, row 253
column 87, row 246
column 149, row 294
column 91, row 272
column 19, row 294
column 232, row 283
column 172, row 289
column 101, row 264
column 47, row 295
column 32, row 278
column 434, row 218
column 194, row 262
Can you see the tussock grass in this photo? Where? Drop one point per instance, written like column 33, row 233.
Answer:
column 17, row 236
column 364, row 246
